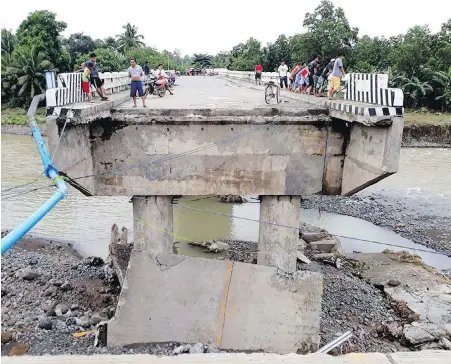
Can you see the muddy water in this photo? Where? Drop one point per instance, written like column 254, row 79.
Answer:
column 87, row 220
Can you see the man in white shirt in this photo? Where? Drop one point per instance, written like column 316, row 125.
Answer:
column 283, row 74
column 161, row 73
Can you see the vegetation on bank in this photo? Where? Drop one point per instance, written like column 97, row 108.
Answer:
column 18, row 116
column 423, row 117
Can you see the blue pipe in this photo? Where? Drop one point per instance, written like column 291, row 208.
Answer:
column 51, row 172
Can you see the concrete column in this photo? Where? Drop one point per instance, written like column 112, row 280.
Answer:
column 277, row 245
column 152, row 215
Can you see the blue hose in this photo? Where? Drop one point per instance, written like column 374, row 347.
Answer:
column 15, row 235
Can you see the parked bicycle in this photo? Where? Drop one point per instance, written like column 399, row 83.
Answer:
column 272, row 92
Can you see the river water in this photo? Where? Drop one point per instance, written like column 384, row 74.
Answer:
column 86, row 221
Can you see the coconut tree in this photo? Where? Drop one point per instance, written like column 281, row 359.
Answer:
column 130, row 38
column 28, row 72
column 8, row 41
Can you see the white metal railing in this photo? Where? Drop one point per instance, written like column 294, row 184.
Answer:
column 69, row 91
column 362, row 87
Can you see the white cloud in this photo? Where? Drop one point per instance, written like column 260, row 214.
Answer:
column 212, row 26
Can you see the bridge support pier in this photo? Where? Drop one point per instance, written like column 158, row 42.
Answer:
column 277, row 245
column 152, row 216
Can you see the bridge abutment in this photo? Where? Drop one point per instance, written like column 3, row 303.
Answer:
column 153, row 224
column 277, row 243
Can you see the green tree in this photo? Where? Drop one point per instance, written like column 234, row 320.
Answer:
column 8, row 41
column 41, row 31
column 245, row 56
column 329, row 30
column 443, row 79
column 202, row 60
column 221, row 60
column 413, row 52
column 78, row 44
column 28, row 70
column 107, row 60
column 371, row 54
column 130, row 38
column 441, row 48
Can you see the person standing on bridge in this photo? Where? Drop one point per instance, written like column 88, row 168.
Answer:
column 95, row 79
column 258, row 73
column 337, row 73
column 283, row 71
column 136, row 72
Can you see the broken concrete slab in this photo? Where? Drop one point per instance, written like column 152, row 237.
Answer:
column 325, row 246
column 423, row 295
column 311, row 237
column 269, row 313
column 232, row 305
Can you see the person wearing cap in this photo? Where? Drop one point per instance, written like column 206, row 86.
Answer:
column 95, row 79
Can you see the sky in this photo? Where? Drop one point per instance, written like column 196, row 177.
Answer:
column 209, row 26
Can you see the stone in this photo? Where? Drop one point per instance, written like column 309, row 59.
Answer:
column 58, row 313
column 66, row 286
column 50, row 291
column 393, row 282
column 197, row 349
column 28, row 274
column 444, row 343
column 96, row 318
column 45, row 323
column 62, row 307
column 51, row 312
column 218, row 246
column 18, row 349
column 301, row 257
column 55, row 282
column 6, row 337
column 83, row 321
column 211, row 349
column 416, row 335
column 74, row 307
column 71, row 321
column 394, row 330
column 325, row 246
column 311, row 237
column 186, row 348
column 178, row 350
column 93, row 261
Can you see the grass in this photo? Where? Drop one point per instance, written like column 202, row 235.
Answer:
column 420, row 117
column 18, row 116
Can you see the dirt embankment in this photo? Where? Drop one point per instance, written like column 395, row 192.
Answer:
column 427, row 135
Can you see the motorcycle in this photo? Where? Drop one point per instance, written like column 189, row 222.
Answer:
column 155, row 87
column 171, row 79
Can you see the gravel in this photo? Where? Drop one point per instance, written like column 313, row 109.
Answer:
column 425, row 221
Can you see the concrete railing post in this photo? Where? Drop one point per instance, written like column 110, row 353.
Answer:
column 277, row 246
column 153, row 224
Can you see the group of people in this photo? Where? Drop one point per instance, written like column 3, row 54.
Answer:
column 309, row 77
column 90, row 76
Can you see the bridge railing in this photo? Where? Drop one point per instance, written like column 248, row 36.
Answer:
column 371, row 88
column 69, row 90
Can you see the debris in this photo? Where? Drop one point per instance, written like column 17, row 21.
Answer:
column 83, row 333
column 325, row 246
column 445, row 343
column 416, row 335
column 334, row 343
column 45, row 323
column 300, row 256
column 18, row 349
column 6, row 337
column 311, row 237
column 28, row 274
column 197, row 349
column 393, row 282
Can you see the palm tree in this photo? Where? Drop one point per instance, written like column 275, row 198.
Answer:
column 415, row 88
column 27, row 72
column 8, row 41
column 130, row 38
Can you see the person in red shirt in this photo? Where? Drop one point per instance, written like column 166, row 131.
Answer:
column 258, row 73
column 304, row 79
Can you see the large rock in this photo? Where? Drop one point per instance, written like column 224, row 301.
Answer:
column 28, row 274
column 45, row 323
column 417, row 335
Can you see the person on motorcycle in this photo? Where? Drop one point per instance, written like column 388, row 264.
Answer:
column 160, row 73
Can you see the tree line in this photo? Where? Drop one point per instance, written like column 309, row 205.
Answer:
column 418, row 62
column 37, row 45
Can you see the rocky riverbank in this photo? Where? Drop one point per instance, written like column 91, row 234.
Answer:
column 424, row 221
column 49, row 293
